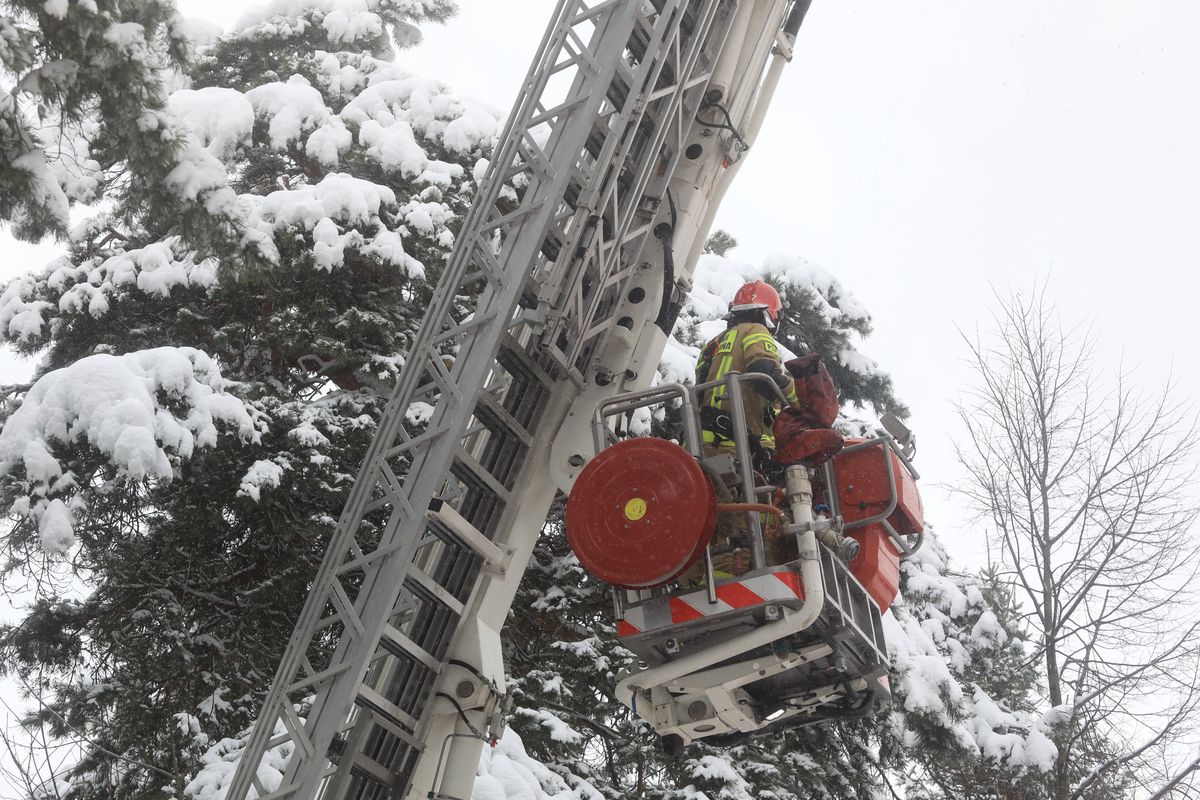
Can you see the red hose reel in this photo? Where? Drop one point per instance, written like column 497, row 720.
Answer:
column 641, row 513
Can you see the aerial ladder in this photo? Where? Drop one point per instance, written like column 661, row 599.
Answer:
column 552, row 311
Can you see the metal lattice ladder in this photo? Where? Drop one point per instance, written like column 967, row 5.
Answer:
column 520, row 310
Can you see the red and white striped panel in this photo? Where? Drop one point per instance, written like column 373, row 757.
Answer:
column 749, row 591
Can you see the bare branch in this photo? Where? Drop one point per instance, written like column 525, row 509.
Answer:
column 1087, row 483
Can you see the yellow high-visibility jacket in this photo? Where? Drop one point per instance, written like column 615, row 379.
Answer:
column 735, row 350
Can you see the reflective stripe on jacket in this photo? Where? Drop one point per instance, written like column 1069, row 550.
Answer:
column 734, row 351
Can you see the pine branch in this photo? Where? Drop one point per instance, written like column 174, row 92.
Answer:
column 91, row 742
column 598, row 727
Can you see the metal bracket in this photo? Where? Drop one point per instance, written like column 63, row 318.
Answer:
column 816, row 526
column 496, row 557
column 784, row 45
column 722, row 464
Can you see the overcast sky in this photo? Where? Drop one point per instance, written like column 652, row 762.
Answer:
column 926, row 150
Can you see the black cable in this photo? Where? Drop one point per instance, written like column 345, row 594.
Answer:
column 726, row 126
column 667, row 311
column 454, row 662
column 463, row 716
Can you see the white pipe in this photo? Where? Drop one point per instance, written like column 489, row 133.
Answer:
column 730, row 59
column 758, row 114
column 746, row 93
column 800, row 498
column 765, row 93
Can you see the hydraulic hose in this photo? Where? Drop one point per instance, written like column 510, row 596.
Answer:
column 667, row 311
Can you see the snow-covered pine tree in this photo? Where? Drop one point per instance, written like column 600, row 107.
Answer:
column 83, row 85
column 720, row 242
column 993, row 657
column 963, row 722
column 196, row 419
column 827, row 320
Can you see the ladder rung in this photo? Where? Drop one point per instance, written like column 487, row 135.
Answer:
column 384, row 707
column 554, row 112
column 365, row 559
column 436, row 590
column 282, row 791
column 291, row 788
column 478, row 474
column 522, row 211
column 566, row 63
column 410, row 648
column 304, row 683
column 458, row 330
column 490, row 409
column 280, row 738
column 399, row 733
column 374, row 769
column 514, row 358
column 416, row 441
column 588, row 13
column 456, row 525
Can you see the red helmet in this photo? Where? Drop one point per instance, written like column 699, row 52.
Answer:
column 758, row 294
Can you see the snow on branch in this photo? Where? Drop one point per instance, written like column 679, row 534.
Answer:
column 292, row 107
column 837, row 301
column 399, row 120
column 345, row 21
column 943, row 624
column 506, row 771
column 341, row 213
column 143, row 411
column 30, row 304
column 219, row 118
column 220, row 762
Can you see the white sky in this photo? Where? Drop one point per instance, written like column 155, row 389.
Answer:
column 923, row 151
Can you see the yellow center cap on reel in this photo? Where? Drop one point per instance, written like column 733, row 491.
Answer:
column 635, row 509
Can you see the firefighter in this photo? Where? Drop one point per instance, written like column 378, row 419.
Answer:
column 747, row 345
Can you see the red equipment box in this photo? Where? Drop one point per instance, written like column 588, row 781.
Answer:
column 862, row 483
column 863, row 492
column 877, row 565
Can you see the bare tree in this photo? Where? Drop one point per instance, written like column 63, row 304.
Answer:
column 1086, row 479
